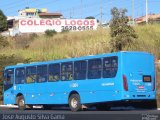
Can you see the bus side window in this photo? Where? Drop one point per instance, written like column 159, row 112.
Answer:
column 110, row 66
column 20, row 76
column 42, row 73
column 31, row 74
column 94, row 68
column 54, row 72
column 67, row 71
column 80, row 70
column 9, row 76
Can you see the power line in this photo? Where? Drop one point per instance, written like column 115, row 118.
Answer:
column 12, row 3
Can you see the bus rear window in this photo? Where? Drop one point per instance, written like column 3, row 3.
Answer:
column 110, row 66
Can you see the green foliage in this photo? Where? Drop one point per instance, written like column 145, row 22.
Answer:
column 65, row 31
column 90, row 17
column 50, row 33
column 11, row 60
column 3, row 21
column 122, row 35
column 3, row 42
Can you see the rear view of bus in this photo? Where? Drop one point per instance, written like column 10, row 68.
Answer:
column 138, row 75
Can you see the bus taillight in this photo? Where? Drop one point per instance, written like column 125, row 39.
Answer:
column 125, row 84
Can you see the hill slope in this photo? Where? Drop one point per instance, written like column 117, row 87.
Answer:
column 74, row 44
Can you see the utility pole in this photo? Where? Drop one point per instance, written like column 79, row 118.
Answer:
column 73, row 13
column 146, row 11
column 133, row 11
column 101, row 14
column 70, row 14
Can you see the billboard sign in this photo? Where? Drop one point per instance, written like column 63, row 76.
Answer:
column 41, row 25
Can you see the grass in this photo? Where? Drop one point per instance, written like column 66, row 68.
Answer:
column 75, row 44
column 63, row 45
column 149, row 39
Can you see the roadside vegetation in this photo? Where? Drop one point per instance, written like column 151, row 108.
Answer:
column 74, row 44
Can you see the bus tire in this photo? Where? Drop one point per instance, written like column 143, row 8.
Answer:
column 21, row 103
column 74, row 103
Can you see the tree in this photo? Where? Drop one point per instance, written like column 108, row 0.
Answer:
column 50, row 33
column 122, row 35
column 90, row 17
column 3, row 42
column 3, row 21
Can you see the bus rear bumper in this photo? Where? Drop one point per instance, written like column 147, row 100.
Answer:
column 139, row 95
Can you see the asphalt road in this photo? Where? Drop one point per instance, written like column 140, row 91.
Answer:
column 90, row 114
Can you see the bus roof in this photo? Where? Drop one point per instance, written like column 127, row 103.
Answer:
column 73, row 59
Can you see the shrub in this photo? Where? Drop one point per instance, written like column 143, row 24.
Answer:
column 33, row 36
column 3, row 42
column 24, row 40
column 50, row 33
column 65, row 31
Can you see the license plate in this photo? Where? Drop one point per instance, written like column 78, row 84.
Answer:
column 147, row 78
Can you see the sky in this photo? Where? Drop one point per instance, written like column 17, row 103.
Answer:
column 81, row 8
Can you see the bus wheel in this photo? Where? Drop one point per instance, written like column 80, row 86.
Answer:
column 21, row 103
column 74, row 103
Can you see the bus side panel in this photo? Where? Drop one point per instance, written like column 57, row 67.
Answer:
column 9, row 97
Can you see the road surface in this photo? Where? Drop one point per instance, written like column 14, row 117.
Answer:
column 8, row 113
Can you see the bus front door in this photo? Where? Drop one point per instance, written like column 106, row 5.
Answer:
column 8, row 94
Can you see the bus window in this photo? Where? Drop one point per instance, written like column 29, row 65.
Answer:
column 20, row 76
column 80, row 70
column 9, row 76
column 31, row 74
column 110, row 66
column 42, row 73
column 67, row 71
column 54, row 72
column 94, row 69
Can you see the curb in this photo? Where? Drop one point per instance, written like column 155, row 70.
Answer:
column 11, row 106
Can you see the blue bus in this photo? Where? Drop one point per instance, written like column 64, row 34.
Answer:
column 103, row 81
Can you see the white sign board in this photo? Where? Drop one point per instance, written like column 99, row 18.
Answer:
column 41, row 25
